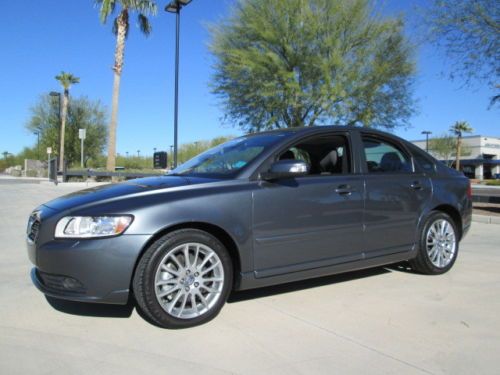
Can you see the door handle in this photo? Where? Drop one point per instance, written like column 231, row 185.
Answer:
column 344, row 190
column 416, row 185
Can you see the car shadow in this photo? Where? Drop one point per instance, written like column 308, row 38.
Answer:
column 125, row 311
column 245, row 295
column 91, row 309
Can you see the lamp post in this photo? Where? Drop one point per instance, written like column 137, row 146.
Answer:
column 37, row 133
column 175, row 6
column 426, row 132
column 57, row 95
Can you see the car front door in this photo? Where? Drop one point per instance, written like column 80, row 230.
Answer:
column 395, row 197
column 311, row 221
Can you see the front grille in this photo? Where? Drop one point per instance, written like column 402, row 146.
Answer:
column 33, row 227
column 34, row 230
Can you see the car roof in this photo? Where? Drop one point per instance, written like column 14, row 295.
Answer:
column 323, row 128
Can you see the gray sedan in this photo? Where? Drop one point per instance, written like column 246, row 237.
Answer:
column 259, row 210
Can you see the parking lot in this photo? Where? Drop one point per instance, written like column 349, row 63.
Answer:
column 379, row 321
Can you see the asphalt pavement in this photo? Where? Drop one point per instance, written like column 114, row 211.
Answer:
column 378, row 321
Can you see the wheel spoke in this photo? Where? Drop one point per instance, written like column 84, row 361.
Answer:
column 186, row 257
column 195, row 260
column 207, row 258
column 202, row 299
column 194, row 307
column 183, row 305
column 172, row 304
column 213, row 279
column 209, row 289
column 210, row 268
column 176, row 261
column 166, row 292
column 166, row 282
column 169, row 270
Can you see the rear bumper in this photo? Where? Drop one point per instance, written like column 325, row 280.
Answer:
column 97, row 270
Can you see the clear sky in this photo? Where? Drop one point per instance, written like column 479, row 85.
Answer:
column 40, row 38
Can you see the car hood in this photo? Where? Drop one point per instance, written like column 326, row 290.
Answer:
column 105, row 192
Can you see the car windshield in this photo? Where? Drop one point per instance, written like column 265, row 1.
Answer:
column 230, row 157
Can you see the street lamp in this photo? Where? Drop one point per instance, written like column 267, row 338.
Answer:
column 175, row 6
column 57, row 95
column 426, row 132
column 37, row 133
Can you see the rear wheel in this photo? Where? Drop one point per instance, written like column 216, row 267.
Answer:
column 183, row 279
column 438, row 248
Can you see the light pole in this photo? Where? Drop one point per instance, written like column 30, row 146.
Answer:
column 37, row 133
column 55, row 94
column 175, row 6
column 426, row 132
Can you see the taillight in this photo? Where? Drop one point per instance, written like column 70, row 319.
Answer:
column 469, row 190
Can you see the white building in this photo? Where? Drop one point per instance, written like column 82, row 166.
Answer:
column 482, row 159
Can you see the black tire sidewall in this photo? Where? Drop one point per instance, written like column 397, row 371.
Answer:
column 424, row 256
column 151, row 260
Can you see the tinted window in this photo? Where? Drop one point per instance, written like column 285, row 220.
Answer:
column 325, row 155
column 384, row 157
column 230, row 157
column 424, row 162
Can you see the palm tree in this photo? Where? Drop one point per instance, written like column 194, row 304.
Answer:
column 458, row 129
column 66, row 80
column 120, row 29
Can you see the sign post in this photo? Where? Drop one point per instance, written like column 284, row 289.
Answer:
column 49, row 151
column 82, row 134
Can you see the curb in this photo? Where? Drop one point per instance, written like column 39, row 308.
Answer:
column 75, row 184
column 486, row 219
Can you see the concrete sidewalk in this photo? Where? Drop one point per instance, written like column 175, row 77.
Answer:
column 379, row 321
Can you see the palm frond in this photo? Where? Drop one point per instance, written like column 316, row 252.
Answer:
column 67, row 79
column 144, row 24
column 145, row 7
column 107, row 8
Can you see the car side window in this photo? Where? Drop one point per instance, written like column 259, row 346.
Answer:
column 425, row 163
column 325, row 155
column 384, row 157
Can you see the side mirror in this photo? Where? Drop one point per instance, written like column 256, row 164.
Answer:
column 288, row 168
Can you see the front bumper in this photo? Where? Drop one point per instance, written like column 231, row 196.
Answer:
column 91, row 270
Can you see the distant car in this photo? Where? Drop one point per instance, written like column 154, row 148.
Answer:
column 262, row 209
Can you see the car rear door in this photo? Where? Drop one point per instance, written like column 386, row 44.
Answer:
column 310, row 221
column 395, row 196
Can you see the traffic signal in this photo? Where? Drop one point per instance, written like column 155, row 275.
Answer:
column 160, row 159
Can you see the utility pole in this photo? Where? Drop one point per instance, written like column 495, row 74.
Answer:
column 426, row 132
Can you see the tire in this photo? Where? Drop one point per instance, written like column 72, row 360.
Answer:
column 174, row 294
column 438, row 245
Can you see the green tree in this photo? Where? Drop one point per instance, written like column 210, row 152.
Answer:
column 443, row 147
column 66, row 80
column 299, row 63
column 469, row 33
column 82, row 113
column 190, row 150
column 121, row 27
column 458, row 129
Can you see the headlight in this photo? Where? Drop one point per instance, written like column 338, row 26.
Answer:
column 91, row 226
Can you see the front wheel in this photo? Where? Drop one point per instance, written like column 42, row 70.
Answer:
column 438, row 247
column 183, row 279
